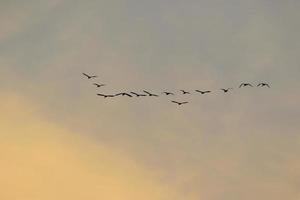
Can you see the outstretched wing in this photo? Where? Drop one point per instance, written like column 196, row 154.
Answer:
column 118, row 94
column 127, row 94
column 134, row 93
column 102, row 95
column 86, row 75
column 147, row 92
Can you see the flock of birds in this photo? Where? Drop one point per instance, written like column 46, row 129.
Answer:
column 184, row 92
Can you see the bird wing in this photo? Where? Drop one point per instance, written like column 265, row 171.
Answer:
column 175, row 102
column 86, row 75
column 127, row 94
column 146, row 92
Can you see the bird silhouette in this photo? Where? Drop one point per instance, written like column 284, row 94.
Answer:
column 263, row 85
column 105, row 95
column 150, row 94
column 245, row 84
column 89, row 76
column 138, row 95
column 226, row 90
column 99, row 85
column 180, row 103
column 168, row 93
column 203, row 92
column 184, row 92
column 123, row 94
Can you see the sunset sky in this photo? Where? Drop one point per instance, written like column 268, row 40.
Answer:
column 59, row 140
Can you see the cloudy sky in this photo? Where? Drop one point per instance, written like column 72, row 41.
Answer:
column 59, row 140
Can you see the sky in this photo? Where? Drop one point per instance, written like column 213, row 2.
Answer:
column 59, row 140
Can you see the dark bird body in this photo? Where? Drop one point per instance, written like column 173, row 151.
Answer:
column 168, row 93
column 263, row 85
column 245, row 85
column 150, row 94
column 226, row 90
column 99, row 85
column 105, row 95
column 203, row 92
column 89, row 76
column 180, row 103
column 184, row 92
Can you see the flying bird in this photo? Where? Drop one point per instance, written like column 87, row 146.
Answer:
column 226, row 90
column 123, row 94
column 184, row 92
column 138, row 95
column 99, row 85
column 150, row 94
column 168, row 93
column 105, row 95
column 263, row 85
column 89, row 76
column 180, row 103
column 203, row 92
column 245, row 84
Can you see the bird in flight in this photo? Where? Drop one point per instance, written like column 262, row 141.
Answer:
column 138, row 95
column 168, row 93
column 180, row 103
column 150, row 94
column 123, row 94
column 245, row 84
column 203, row 92
column 263, row 85
column 226, row 90
column 184, row 92
column 89, row 76
column 99, row 85
column 105, row 95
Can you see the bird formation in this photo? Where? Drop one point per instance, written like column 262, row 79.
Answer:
column 166, row 93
